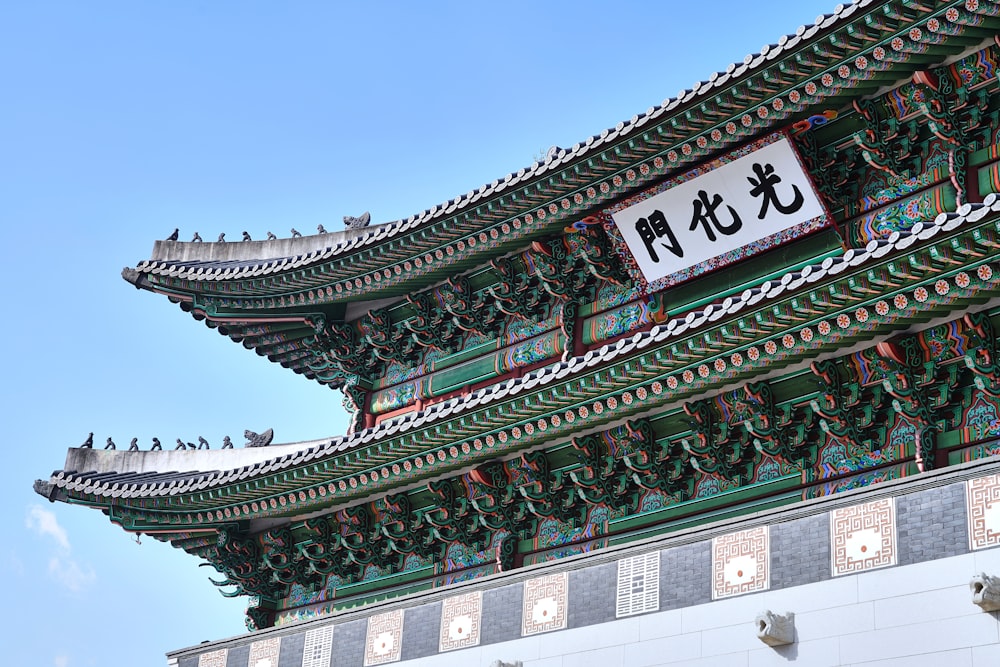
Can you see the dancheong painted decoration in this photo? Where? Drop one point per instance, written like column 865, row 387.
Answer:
column 553, row 363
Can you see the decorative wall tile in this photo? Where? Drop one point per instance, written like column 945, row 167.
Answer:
column 545, row 604
column 318, row 647
column 983, row 503
column 740, row 563
column 460, row 621
column 638, row 585
column 214, row 658
column 384, row 642
column 264, row 653
column 863, row 537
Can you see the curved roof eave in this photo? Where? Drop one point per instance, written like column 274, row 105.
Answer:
column 671, row 122
column 134, row 484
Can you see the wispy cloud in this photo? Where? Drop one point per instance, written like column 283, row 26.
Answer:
column 62, row 566
column 61, row 661
column 44, row 522
column 70, row 574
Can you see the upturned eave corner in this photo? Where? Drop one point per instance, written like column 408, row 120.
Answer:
column 133, row 277
column 46, row 489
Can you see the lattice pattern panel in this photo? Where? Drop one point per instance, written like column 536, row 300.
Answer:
column 214, row 658
column 638, row 585
column 460, row 621
column 863, row 536
column 740, row 563
column 264, row 653
column 982, row 497
column 384, row 642
column 318, row 647
column 545, row 604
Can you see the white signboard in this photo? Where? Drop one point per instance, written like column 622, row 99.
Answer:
column 733, row 206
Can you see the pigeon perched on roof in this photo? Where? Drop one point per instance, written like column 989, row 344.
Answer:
column 196, row 238
column 270, row 236
column 156, row 445
column 88, row 443
column 350, row 222
column 246, row 236
column 222, row 238
column 180, row 444
column 321, row 229
column 202, row 443
column 226, row 442
column 110, row 445
column 296, row 233
column 134, row 445
column 175, row 235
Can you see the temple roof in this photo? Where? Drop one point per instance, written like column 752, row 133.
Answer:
column 701, row 114
column 217, row 261
column 510, row 367
column 97, row 475
column 276, row 296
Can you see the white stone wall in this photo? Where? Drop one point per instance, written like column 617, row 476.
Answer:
column 915, row 615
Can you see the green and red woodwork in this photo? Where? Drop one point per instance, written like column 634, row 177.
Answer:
column 780, row 285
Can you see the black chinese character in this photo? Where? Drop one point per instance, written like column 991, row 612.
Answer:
column 764, row 185
column 704, row 212
column 657, row 227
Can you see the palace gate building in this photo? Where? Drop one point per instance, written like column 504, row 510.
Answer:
column 719, row 385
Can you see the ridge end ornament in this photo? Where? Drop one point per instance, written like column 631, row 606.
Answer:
column 360, row 222
column 258, row 439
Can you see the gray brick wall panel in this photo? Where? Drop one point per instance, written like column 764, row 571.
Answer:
column 290, row 653
column 800, row 551
column 349, row 643
column 421, row 631
column 502, row 614
column 188, row 662
column 239, row 656
column 932, row 524
column 592, row 595
column 686, row 575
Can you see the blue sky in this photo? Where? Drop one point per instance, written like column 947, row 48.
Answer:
column 123, row 120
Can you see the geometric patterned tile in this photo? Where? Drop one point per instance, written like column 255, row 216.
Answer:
column 460, row 619
column 545, row 604
column 214, row 658
column 863, row 537
column 384, row 642
column 264, row 653
column 318, row 647
column 983, row 504
column 638, row 585
column 740, row 563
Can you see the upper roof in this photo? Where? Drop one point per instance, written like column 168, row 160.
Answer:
column 841, row 56
column 271, row 295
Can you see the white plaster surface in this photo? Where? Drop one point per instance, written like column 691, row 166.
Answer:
column 959, row 658
column 817, row 653
column 185, row 460
column 986, row 655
